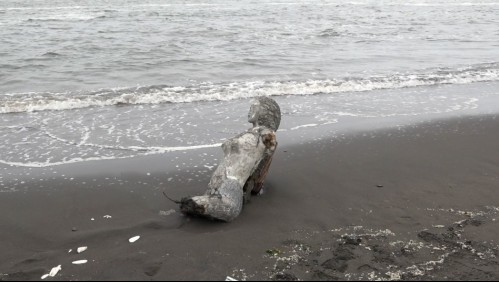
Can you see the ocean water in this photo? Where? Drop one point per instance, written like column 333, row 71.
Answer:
column 89, row 80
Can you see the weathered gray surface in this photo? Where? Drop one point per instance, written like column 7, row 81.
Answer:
column 247, row 158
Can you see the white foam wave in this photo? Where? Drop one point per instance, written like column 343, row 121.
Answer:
column 48, row 164
column 305, row 125
column 46, row 8
column 30, row 102
column 153, row 150
column 445, row 4
column 150, row 151
column 419, row 3
column 65, row 17
column 83, row 7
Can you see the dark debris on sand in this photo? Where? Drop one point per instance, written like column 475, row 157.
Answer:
column 359, row 253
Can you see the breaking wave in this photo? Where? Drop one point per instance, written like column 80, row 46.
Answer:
column 158, row 94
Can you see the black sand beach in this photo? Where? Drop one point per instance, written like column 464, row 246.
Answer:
column 387, row 166
column 417, row 202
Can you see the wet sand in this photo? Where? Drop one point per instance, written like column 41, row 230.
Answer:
column 415, row 202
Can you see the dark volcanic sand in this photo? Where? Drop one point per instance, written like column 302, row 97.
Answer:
column 416, row 202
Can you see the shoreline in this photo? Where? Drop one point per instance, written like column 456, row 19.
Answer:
column 387, row 187
column 53, row 139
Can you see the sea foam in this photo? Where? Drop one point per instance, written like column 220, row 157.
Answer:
column 207, row 91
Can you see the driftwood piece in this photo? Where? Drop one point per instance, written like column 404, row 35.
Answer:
column 247, row 158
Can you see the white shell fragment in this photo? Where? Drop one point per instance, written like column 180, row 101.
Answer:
column 134, row 239
column 107, row 216
column 230, row 279
column 70, row 250
column 53, row 272
column 82, row 249
column 83, row 261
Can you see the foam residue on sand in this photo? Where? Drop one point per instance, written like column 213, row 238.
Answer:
column 362, row 253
